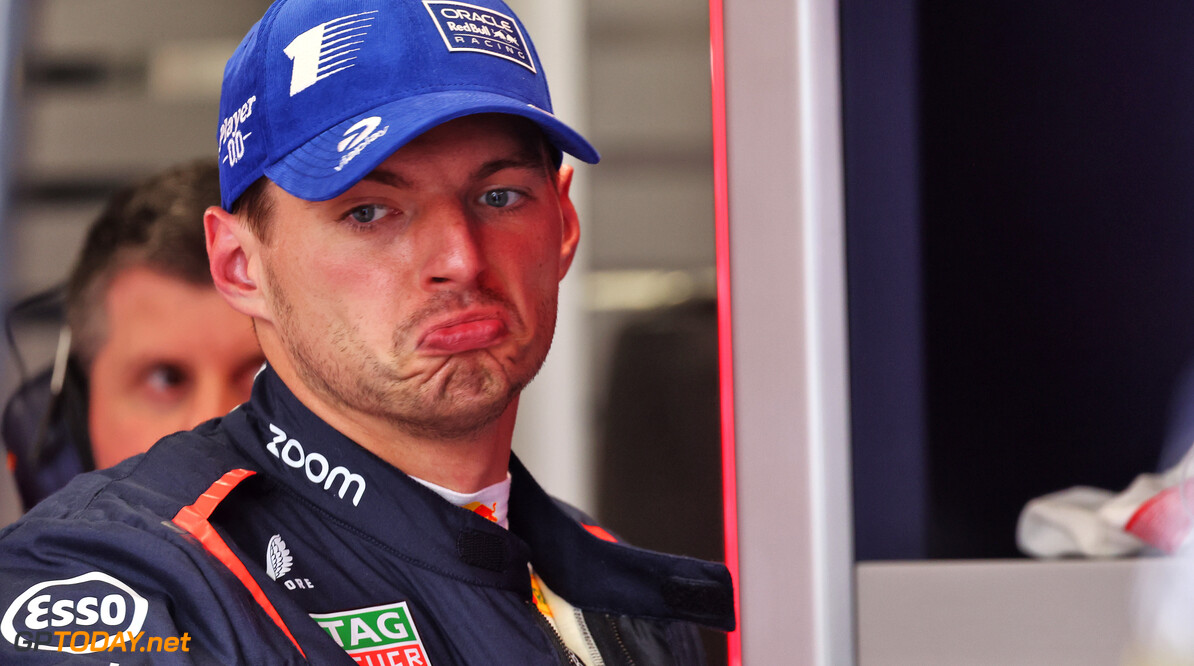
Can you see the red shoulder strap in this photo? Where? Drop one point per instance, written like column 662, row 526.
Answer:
column 193, row 519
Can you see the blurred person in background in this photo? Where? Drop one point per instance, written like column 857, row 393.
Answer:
column 153, row 347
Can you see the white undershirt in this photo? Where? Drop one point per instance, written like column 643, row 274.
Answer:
column 496, row 498
column 566, row 619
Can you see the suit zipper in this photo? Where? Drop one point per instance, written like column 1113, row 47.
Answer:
column 568, row 657
column 613, row 626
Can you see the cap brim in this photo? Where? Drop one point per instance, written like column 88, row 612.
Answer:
column 317, row 170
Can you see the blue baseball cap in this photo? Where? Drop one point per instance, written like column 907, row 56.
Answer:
column 321, row 92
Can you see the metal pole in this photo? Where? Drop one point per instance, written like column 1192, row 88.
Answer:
column 789, row 331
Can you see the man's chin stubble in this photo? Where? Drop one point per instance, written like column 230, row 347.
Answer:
column 460, row 404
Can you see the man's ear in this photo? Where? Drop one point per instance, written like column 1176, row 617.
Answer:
column 233, row 251
column 570, row 233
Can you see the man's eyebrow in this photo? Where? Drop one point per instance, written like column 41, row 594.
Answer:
column 387, row 178
column 527, row 160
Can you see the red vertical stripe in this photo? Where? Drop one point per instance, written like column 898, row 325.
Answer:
column 725, row 347
column 193, row 519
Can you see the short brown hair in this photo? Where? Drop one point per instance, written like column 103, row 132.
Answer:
column 256, row 205
column 156, row 223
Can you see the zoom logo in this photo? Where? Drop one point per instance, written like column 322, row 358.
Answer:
column 317, row 467
column 93, row 603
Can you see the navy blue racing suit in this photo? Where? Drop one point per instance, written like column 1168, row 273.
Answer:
column 267, row 537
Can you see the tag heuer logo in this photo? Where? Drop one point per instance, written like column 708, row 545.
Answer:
column 277, row 558
column 376, row 635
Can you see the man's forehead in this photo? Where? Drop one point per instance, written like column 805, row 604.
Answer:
column 492, row 142
column 497, row 141
column 501, row 131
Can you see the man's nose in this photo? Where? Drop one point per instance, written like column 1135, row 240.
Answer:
column 452, row 251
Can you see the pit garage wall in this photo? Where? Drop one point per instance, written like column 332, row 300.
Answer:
column 789, row 328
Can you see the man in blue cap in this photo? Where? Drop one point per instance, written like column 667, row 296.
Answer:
column 396, row 221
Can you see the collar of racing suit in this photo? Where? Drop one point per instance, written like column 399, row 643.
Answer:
column 294, row 447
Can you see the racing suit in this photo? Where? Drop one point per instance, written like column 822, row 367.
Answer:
column 267, row 537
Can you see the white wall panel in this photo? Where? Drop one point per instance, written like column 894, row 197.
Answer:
column 787, row 271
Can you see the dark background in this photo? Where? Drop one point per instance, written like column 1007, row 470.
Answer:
column 1020, row 218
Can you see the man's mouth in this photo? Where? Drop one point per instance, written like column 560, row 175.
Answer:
column 455, row 337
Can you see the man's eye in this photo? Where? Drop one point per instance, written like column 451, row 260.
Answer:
column 368, row 214
column 164, row 378
column 500, row 198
